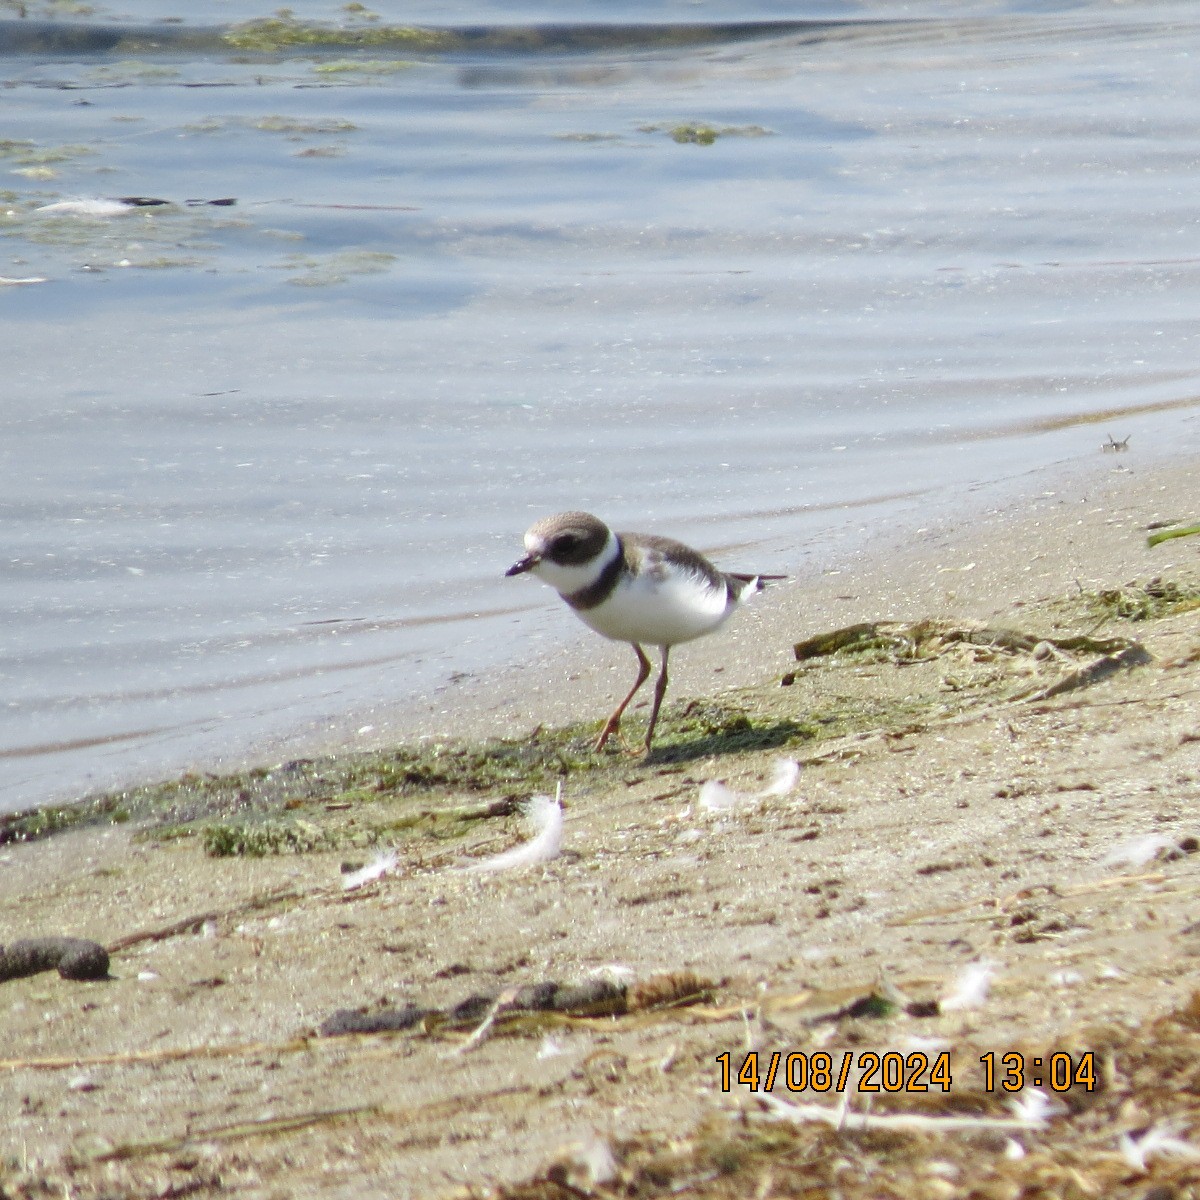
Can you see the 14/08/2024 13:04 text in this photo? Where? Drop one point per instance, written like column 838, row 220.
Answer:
column 895, row 1072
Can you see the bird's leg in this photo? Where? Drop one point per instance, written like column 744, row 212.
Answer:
column 613, row 724
column 660, row 690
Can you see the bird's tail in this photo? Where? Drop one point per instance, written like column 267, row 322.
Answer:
column 743, row 586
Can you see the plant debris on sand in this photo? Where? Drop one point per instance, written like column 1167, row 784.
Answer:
column 954, row 954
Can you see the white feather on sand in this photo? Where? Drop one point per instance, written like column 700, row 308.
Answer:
column 1161, row 1139
column 1033, row 1105
column 715, row 796
column 927, row 1045
column 1140, row 850
column 379, row 866
column 549, row 1048
column 546, row 816
column 970, row 987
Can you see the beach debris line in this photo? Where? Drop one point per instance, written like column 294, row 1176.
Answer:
column 918, row 641
column 239, row 1131
column 505, row 1002
column 614, row 992
column 1135, row 655
column 290, row 833
column 1134, row 601
column 906, row 643
column 604, row 994
column 546, row 816
column 715, row 796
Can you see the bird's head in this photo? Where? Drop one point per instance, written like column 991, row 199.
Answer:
column 563, row 548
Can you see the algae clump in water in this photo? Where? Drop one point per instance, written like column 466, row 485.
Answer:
column 284, row 32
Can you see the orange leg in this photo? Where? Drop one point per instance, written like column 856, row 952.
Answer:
column 613, row 724
column 660, row 690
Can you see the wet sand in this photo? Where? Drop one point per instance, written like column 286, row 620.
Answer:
column 953, row 810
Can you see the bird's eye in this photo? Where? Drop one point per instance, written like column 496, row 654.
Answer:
column 565, row 543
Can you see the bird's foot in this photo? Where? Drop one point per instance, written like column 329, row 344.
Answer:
column 644, row 751
column 611, row 727
column 634, row 751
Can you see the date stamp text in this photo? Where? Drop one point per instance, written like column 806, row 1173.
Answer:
column 868, row 1072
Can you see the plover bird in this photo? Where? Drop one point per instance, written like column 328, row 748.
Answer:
column 635, row 588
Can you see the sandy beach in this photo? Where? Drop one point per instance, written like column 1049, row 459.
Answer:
column 985, row 874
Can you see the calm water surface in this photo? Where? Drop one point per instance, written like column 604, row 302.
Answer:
column 262, row 465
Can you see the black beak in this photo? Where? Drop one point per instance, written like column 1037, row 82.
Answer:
column 524, row 564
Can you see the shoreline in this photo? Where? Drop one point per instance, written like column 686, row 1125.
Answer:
column 968, row 803
column 516, row 696
column 859, row 575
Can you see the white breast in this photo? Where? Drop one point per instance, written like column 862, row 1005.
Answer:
column 660, row 606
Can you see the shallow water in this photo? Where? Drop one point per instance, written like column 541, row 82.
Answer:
column 264, row 464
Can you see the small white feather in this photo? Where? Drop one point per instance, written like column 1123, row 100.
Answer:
column 716, row 797
column 549, row 1048
column 1065, row 978
column 787, row 775
column 546, row 816
column 617, row 974
column 1139, row 851
column 1033, row 1105
column 590, row 1165
column 1158, row 1139
column 379, row 866
column 970, row 988
column 928, row 1045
